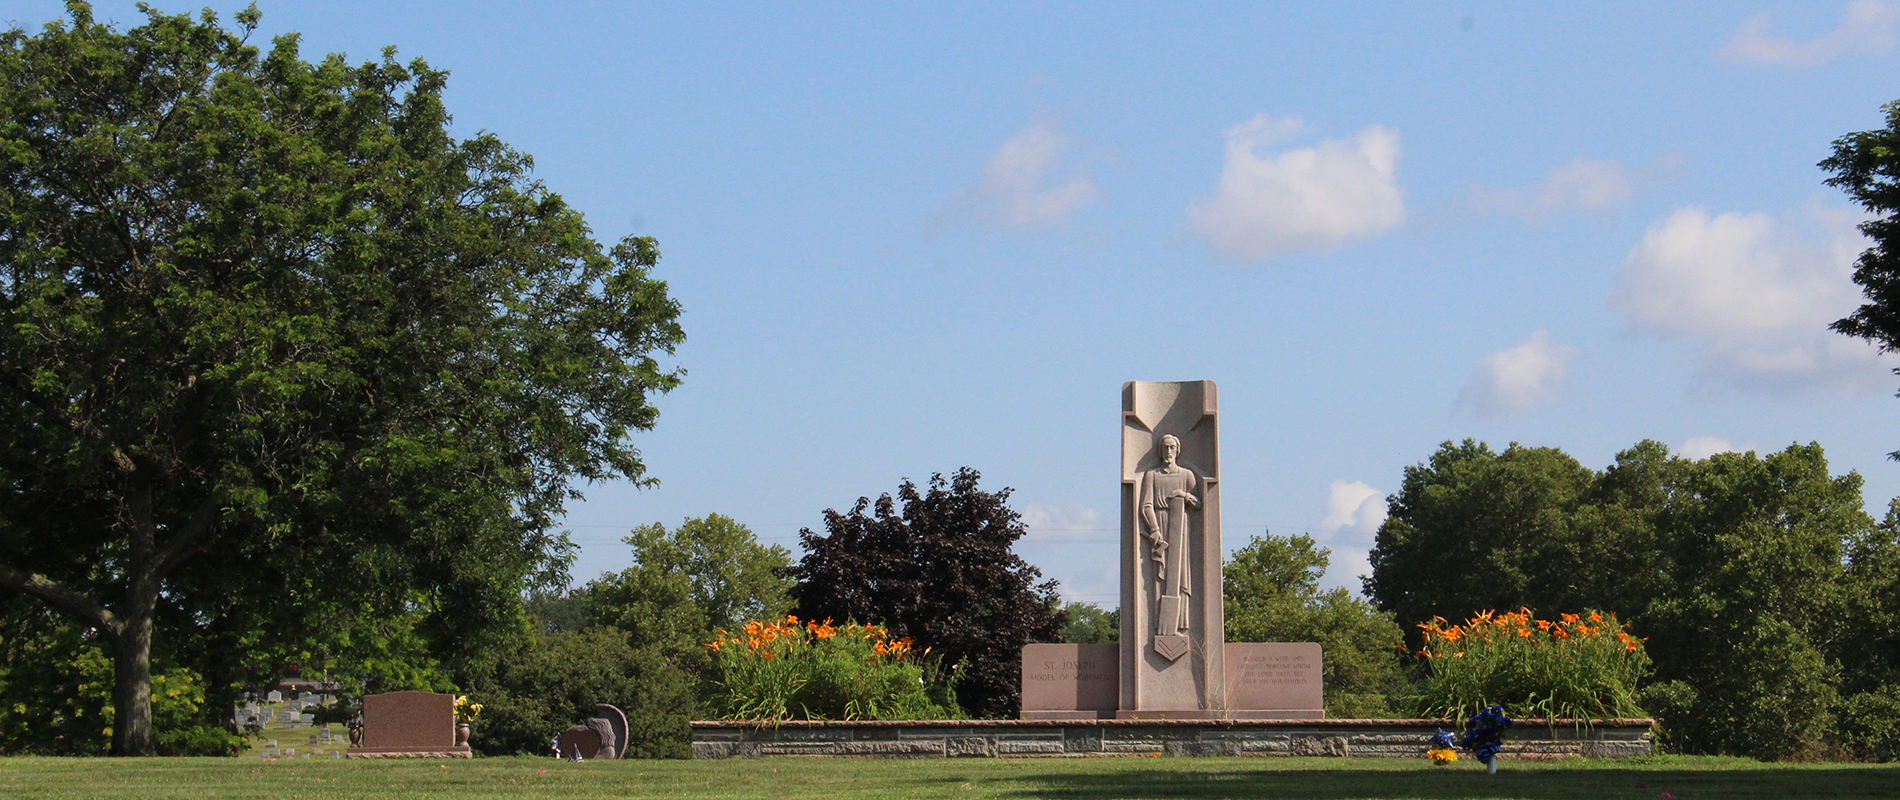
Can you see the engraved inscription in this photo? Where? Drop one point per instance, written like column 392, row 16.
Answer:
column 1072, row 671
column 1070, row 677
column 1274, row 675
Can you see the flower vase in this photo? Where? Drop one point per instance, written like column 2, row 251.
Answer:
column 461, row 734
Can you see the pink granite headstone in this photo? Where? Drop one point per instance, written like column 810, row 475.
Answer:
column 409, row 724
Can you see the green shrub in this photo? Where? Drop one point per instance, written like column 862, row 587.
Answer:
column 1576, row 667
column 56, row 699
column 1778, row 707
column 1669, row 702
column 1869, row 724
column 782, row 670
column 554, row 681
column 202, row 740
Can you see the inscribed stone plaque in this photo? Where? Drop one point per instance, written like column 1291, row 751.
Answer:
column 1070, row 680
column 408, row 721
column 1274, row 676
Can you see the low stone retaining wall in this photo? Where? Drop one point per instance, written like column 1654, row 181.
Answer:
column 1355, row 738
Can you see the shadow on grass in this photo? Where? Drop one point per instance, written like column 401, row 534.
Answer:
column 1466, row 782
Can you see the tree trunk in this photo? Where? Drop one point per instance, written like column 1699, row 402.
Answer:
column 132, row 686
column 132, row 652
column 128, row 631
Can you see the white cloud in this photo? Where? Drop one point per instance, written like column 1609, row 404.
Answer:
column 1701, row 447
column 1353, row 508
column 1070, row 521
column 1075, row 546
column 1354, row 511
column 1866, row 28
column 1029, row 184
column 1516, row 379
column 1304, row 198
column 1755, row 296
column 1583, row 183
column 1587, row 184
column 1346, row 567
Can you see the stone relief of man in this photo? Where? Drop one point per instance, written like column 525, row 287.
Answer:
column 1166, row 496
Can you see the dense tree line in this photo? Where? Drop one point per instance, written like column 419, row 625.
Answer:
column 1763, row 586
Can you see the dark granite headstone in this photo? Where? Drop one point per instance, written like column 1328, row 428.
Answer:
column 580, row 736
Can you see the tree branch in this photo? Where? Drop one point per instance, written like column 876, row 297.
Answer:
column 175, row 550
column 62, row 597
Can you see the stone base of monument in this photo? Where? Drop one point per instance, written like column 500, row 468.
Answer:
column 1532, row 739
column 1275, row 680
column 1250, row 713
column 1218, row 713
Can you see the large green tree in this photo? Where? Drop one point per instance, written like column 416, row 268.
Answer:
column 266, row 319
column 1271, row 594
column 1469, row 530
column 940, row 571
column 709, row 573
column 1089, row 624
column 1866, row 165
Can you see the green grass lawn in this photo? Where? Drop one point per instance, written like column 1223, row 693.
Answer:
column 833, row 779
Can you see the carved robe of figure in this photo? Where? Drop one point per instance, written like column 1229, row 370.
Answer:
column 1166, row 497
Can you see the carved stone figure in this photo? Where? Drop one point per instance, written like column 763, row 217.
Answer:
column 1172, row 658
column 1168, row 494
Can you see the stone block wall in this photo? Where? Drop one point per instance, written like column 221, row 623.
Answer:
column 1342, row 738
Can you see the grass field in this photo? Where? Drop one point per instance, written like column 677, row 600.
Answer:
column 1682, row 777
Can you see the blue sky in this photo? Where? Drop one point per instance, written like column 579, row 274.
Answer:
column 909, row 239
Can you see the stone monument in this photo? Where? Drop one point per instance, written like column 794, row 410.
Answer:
column 1173, row 661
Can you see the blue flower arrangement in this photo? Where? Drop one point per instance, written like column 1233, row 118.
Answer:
column 1484, row 735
